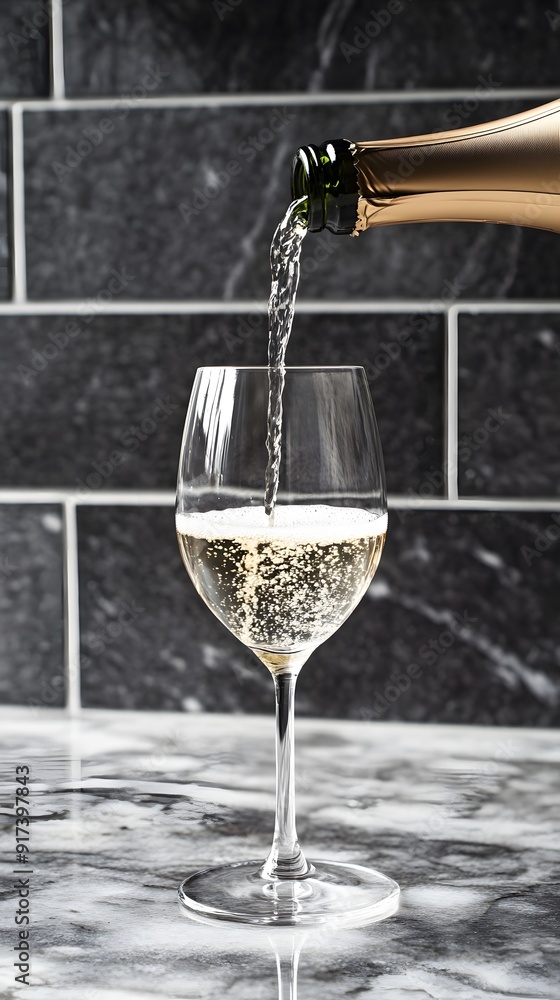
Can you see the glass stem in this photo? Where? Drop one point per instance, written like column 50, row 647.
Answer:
column 286, row 859
column 286, row 966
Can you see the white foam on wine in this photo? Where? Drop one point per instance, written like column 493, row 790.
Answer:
column 305, row 522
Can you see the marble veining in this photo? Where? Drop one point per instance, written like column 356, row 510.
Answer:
column 509, row 373
column 509, row 666
column 31, row 605
column 454, row 628
column 83, row 216
column 127, row 804
column 80, row 428
column 234, row 47
column 24, row 49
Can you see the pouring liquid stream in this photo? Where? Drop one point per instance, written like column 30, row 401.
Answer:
column 285, row 252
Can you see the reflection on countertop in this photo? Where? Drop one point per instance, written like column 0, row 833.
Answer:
column 125, row 805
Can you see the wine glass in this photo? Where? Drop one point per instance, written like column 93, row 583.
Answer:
column 282, row 585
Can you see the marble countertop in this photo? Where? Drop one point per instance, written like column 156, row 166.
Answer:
column 125, row 805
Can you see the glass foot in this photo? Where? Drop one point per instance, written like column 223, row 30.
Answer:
column 333, row 892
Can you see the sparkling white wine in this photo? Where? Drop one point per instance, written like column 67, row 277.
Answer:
column 285, row 587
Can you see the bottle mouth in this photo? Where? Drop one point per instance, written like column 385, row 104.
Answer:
column 325, row 176
column 306, row 183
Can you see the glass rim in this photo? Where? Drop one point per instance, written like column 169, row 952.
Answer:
column 287, row 368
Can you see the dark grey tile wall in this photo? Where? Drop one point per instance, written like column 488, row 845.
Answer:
column 147, row 639
column 100, row 403
column 31, row 610
column 98, row 201
column 250, row 45
column 429, row 640
column 164, row 196
column 509, row 388
column 461, row 597
column 24, row 48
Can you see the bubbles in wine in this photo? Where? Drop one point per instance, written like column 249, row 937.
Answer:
column 286, row 587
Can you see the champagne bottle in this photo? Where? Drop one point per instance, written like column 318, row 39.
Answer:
column 505, row 171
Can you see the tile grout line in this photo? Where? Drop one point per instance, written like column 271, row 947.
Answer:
column 166, row 498
column 230, row 307
column 445, row 407
column 507, row 306
column 452, row 408
column 19, row 277
column 210, row 307
column 155, row 307
column 71, row 609
column 69, row 499
column 58, row 91
column 291, row 98
column 83, row 498
column 497, row 504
